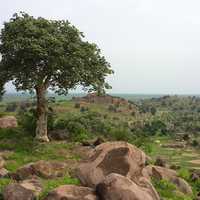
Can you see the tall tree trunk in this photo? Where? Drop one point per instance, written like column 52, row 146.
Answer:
column 41, row 129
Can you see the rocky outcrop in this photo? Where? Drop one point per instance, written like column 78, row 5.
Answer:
column 3, row 172
column 111, row 157
column 43, row 169
column 33, row 184
column 8, row 122
column 16, row 191
column 118, row 187
column 25, row 190
column 101, row 99
column 167, row 174
column 115, row 170
column 71, row 192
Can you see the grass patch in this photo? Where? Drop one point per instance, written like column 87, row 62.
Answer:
column 25, row 150
column 49, row 185
column 167, row 191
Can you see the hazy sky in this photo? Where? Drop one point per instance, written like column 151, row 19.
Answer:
column 152, row 45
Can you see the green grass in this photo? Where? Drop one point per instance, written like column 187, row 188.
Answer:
column 49, row 185
column 168, row 191
column 23, row 149
column 172, row 156
column 4, row 182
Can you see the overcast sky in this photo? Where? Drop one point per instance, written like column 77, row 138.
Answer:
column 152, row 45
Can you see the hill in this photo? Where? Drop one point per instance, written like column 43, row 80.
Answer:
column 158, row 126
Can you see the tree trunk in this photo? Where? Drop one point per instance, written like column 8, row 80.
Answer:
column 41, row 129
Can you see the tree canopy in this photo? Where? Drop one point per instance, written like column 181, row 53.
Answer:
column 39, row 51
column 40, row 54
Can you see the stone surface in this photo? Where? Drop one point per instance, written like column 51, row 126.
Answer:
column 111, row 157
column 33, row 184
column 71, row 192
column 8, row 122
column 101, row 99
column 2, row 162
column 43, row 169
column 17, row 192
column 158, row 172
column 3, row 172
column 118, row 187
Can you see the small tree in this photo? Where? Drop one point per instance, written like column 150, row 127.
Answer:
column 40, row 54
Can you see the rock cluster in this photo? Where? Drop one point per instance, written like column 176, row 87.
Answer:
column 101, row 99
column 25, row 190
column 42, row 169
column 8, row 122
column 113, row 171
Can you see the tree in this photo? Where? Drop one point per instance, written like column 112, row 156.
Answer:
column 40, row 54
column 153, row 110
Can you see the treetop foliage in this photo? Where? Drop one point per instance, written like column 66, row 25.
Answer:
column 51, row 53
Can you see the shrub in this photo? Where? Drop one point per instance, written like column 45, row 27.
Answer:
column 168, row 191
column 184, row 173
column 112, row 108
column 28, row 120
column 11, row 107
column 195, row 143
column 84, row 109
column 133, row 113
column 156, row 126
column 120, row 133
column 77, row 105
column 153, row 110
column 2, row 114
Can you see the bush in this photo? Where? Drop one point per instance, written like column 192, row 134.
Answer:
column 156, row 126
column 93, row 124
column 84, row 109
column 2, row 114
column 195, row 143
column 28, row 120
column 11, row 107
column 153, row 110
column 168, row 191
column 77, row 105
column 112, row 108
column 120, row 133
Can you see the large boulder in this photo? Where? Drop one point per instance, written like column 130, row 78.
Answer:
column 8, row 122
column 72, row 192
column 158, row 172
column 111, row 157
column 25, row 190
column 118, row 187
column 33, row 184
column 4, row 173
column 17, row 192
column 169, row 175
column 43, row 169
